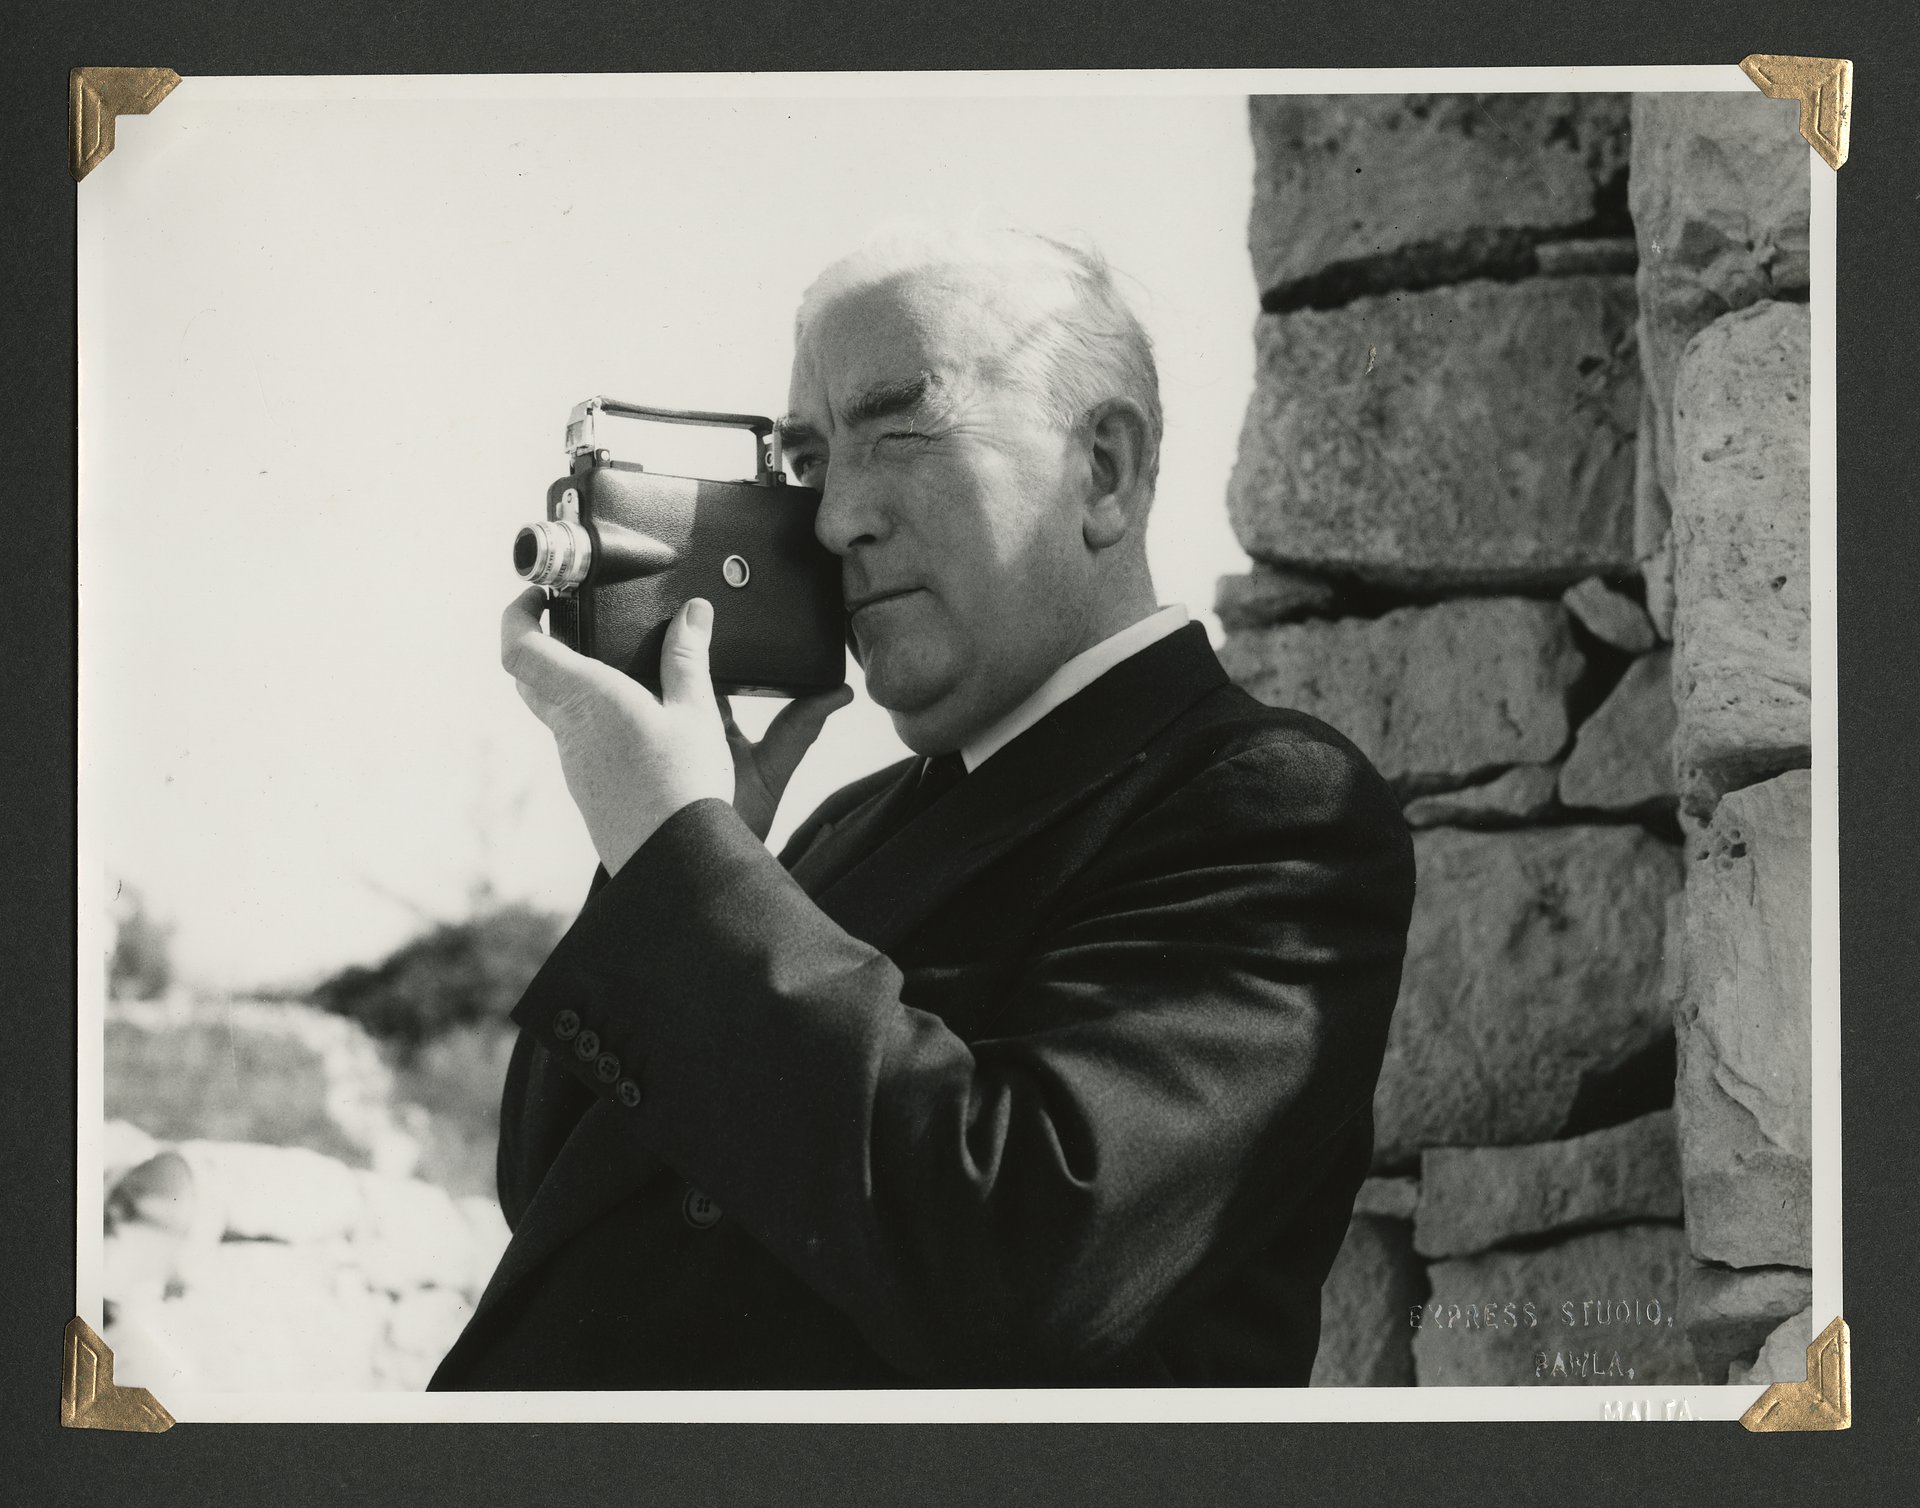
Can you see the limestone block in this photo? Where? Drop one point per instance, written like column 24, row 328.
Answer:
column 1435, row 696
column 1742, row 667
column 1593, row 1309
column 1472, row 1198
column 1744, row 1029
column 1622, row 756
column 1365, row 1337
column 1611, row 617
column 1389, row 1198
column 1533, row 965
column 1474, row 435
column 1268, row 595
column 1729, row 1312
column 1523, row 793
column 1720, row 198
column 1425, row 187
column 1656, row 573
column 1784, row 1356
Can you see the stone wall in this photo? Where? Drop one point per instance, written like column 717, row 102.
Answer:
column 1493, row 485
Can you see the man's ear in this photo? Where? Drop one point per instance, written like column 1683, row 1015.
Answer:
column 1119, row 452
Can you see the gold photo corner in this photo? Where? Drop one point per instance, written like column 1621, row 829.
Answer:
column 89, row 1398
column 1823, row 1402
column 1824, row 87
column 95, row 96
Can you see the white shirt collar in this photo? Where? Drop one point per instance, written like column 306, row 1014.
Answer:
column 1076, row 675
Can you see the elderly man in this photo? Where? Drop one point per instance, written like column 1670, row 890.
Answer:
column 1045, row 1057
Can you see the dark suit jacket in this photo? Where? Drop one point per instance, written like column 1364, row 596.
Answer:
column 1066, row 1081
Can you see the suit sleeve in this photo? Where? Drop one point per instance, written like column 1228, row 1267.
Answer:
column 1205, row 1009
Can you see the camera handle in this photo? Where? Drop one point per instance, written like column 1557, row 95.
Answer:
column 581, row 440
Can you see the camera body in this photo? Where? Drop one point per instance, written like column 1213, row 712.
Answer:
column 622, row 549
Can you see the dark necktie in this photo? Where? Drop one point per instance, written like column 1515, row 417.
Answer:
column 939, row 773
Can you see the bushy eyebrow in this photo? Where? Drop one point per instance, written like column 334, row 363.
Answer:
column 879, row 401
column 884, row 399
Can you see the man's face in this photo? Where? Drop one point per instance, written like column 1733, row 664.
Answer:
column 955, row 507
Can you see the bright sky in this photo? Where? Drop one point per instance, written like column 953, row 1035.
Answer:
column 328, row 348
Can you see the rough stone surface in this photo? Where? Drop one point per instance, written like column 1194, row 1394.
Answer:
column 1365, row 1337
column 1743, row 1029
column 1267, row 595
column 1559, row 259
column 1742, row 667
column 1729, row 1313
column 1720, row 197
column 1622, row 756
column 1533, row 963
column 1423, row 185
column 1472, row 1198
column 1473, row 435
column 1783, row 1358
column 1435, row 696
column 1652, row 516
column 1522, row 794
column 1611, row 617
column 1595, row 1320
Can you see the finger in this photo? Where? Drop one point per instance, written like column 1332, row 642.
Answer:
column 536, row 658
column 794, row 730
column 684, row 677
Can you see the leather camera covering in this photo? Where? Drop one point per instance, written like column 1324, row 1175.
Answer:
column 779, row 624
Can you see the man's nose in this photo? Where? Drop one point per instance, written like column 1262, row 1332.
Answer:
column 851, row 513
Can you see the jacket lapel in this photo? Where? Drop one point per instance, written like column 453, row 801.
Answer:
column 881, row 896
column 1060, row 762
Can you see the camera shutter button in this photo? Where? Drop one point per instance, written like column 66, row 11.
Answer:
column 735, row 571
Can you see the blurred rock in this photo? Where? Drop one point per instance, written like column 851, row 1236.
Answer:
column 1651, row 515
column 1601, row 1305
column 1744, row 1030
column 1742, row 667
column 1622, row 757
column 1729, row 1312
column 1533, row 964
column 1784, row 1356
column 1610, row 616
column 1267, row 595
column 413, row 1235
column 1366, row 1339
column 273, row 1193
column 1424, row 187
column 1432, row 695
column 1720, row 197
column 122, row 1144
column 1472, row 1198
column 1522, row 794
column 1475, row 435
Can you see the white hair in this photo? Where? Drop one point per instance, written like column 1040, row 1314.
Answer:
column 1087, row 347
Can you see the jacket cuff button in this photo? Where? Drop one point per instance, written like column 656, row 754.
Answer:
column 606, row 1068
column 566, row 1025
column 629, row 1093
column 586, row 1046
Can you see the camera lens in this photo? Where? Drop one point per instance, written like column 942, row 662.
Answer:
column 555, row 553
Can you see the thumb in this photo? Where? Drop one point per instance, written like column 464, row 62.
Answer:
column 793, row 731
column 683, row 656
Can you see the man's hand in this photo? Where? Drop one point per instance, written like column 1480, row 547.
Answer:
column 632, row 761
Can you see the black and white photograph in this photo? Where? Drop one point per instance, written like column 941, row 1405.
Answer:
column 1031, row 746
